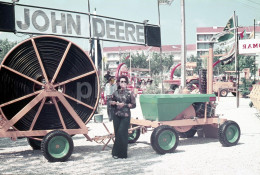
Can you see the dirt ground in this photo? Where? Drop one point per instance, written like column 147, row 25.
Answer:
column 192, row 156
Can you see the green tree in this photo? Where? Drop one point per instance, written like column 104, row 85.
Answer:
column 140, row 60
column 198, row 60
column 5, row 46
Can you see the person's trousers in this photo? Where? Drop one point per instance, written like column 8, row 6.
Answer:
column 110, row 109
column 121, row 125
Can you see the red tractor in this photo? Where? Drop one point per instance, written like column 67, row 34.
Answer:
column 192, row 81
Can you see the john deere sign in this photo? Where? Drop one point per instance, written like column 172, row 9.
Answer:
column 40, row 20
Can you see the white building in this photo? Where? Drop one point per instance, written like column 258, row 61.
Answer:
column 113, row 54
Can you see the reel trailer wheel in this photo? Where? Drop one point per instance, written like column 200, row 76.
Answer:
column 164, row 139
column 48, row 83
column 35, row 144
column 188, row 134
column 57, row 146
column 229, row 133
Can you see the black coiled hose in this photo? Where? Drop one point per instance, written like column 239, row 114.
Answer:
column 23, row 59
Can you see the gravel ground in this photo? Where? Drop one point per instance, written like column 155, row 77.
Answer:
column 192, row 156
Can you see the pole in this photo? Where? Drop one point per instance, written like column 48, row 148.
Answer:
column 96, row 51
column 183, row 46
column 236, row 59
column 89, row 21
column 162, row 90
column 102, row 64
column 130, row 66
column 149, row 65
column 210, row 69
column 254, row 56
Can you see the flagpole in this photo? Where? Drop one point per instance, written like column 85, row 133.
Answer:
column 130, row 66
column 236, row 59
column 160, row 46
column 90, row 35
column 183, row 46
column 102, row 64
column 96, row 52
column 254, row 56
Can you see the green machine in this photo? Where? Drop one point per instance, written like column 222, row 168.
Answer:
column 182, row 115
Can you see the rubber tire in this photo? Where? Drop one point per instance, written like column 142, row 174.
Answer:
column 227, row 127
column 134, row 136
column 188, row 134
column 233, row 93
column 222, row 91
column 155, row 139
column 50, row 138
column 35, row 144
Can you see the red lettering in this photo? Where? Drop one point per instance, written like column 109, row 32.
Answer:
column 255, row 45
column 244, row 46
column 249, row 46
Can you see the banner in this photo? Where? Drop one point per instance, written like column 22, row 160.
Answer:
column 226, row 41
column 165, row 2
column 45, row 21
column 249, row 46
column 117, row 30
column 41, row 20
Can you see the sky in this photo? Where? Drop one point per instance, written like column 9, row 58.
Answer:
column 198, row 13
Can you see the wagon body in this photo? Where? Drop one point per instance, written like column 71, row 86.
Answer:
column 166, row 107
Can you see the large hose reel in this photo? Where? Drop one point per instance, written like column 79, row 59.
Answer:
column 45, row 65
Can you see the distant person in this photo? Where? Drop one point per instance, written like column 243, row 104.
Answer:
column 107, row 75
column 123, row 100
column 110, row 88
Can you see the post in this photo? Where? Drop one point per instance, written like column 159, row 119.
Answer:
column 236, row 60
column 254, row 56
column 158, row 3
column 96, row 49
column 130, row 66
column 102, row 64
column 150, row 65
column 210, row 70
column 183, row 46
column 89, row 21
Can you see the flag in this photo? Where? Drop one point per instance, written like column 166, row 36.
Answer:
column 229, row 57
column 128, row 56
column 165, row 2
column 226, row 40
column 92, row 51
column 252, row 35
column 104, row 59
column 243, row 34
column 227, row 35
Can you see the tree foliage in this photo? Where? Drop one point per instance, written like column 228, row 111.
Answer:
column 5, row 46
column 141, row 60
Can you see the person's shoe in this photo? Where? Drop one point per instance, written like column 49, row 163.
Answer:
column 115, row 157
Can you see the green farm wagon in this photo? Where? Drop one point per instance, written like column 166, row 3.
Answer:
column 173, row 116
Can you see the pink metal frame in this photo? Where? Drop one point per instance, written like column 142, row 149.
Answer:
column 7, row 128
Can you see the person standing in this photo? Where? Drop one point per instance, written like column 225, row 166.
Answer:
column 107, row 76
column 123, row 100
column 110, row 88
